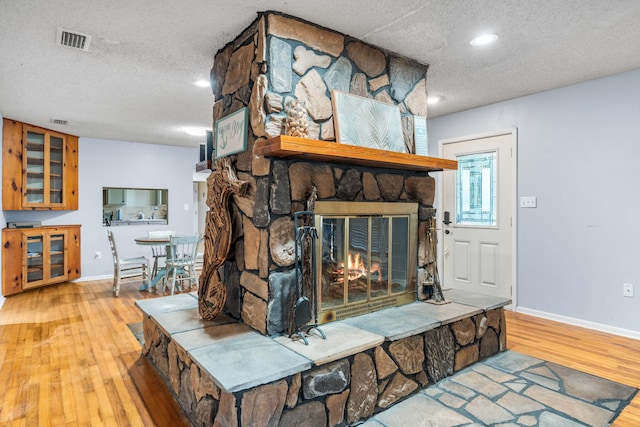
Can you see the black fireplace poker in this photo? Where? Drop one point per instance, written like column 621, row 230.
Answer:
column 431, row 287
column 305, row 261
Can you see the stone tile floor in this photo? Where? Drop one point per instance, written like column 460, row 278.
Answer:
column 511, row 389
column 137, row 331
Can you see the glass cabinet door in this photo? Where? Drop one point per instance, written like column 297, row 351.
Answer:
column 43, row 167
column 34, row 274
column 56, row 255
column 34, row 170
column 56, row 147
column 45, row 259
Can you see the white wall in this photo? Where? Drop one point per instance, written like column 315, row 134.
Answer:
column 104, row 163
column 579, row 154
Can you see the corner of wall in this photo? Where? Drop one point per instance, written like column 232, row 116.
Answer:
column 3, row 221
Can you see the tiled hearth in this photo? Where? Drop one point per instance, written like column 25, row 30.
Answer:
column 225, row 373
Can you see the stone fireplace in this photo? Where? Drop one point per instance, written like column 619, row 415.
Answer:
column 371, row 210
column 280, row 58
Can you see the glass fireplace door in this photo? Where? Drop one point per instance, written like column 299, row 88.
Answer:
column 368, row 261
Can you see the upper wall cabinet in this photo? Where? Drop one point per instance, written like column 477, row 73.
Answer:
column 39, row 168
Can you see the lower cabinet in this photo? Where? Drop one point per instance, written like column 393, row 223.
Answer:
column 34, row 257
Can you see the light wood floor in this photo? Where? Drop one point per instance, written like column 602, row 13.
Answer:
column 67, row 358
column 597, row 353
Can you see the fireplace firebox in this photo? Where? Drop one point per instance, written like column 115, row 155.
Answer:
column 367, row 257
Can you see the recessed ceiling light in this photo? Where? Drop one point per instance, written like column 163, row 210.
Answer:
column 484, row 39
column 195, row 131
column 202, row 83
column 434, row 99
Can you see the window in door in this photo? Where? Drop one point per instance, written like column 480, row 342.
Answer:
column 476, row 190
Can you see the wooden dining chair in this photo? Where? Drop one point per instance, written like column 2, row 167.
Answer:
column 159, row 252
column 127, row 267
column 181, row 260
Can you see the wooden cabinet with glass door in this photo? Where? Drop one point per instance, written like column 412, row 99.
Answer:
column 39, row 256
column 40, row 168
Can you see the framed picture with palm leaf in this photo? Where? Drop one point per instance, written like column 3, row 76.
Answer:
column 366, row 122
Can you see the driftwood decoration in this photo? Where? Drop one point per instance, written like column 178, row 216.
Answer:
column 212, row 293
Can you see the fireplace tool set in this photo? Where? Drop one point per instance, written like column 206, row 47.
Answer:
column 431, row 286
column 305, row 260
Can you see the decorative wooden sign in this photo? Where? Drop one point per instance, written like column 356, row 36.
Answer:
column 231, row 133
column 365, row 122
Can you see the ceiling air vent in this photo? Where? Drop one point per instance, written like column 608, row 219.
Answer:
column 73, row 40
column 59, row 121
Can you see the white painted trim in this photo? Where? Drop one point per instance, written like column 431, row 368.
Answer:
column 514, row 201
column 101, row 277
column 490, row 134
column 514, row 217
column 91, row 278
column 201, row 176
column 627, row 333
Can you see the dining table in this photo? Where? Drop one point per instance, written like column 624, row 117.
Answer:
column 162, row 271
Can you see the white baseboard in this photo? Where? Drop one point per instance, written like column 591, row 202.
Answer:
column 90, row 278
column 103, row 277
column 628, row 333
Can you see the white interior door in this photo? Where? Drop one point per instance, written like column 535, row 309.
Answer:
column 196, row 207
column 202, row 207
column 478, row 198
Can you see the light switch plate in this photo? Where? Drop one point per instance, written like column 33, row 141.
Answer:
column 528, row 202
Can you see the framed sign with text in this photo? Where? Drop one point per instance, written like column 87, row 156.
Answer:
column 231, row 133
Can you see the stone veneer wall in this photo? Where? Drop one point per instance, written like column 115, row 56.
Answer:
column 279, row 58
column 342, row 392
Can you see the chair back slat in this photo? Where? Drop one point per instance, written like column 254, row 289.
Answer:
column 112, row 244
column 181, row 259
column 160, row 233
column 138, row 266
column 184, row 248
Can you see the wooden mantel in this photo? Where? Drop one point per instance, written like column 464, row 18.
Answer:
column 332, row 152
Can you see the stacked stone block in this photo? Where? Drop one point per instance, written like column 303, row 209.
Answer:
column 344, row 392
column 276, row 59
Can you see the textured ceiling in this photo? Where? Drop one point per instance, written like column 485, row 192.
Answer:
column 135, row 82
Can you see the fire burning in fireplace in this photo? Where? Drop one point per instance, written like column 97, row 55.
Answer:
column 356, row 268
